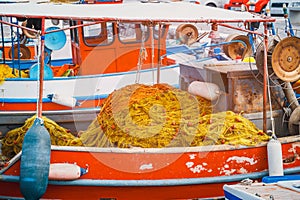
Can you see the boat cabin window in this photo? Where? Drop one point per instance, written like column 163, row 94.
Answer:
column 5, row 30
column 132, row 33
column 98, row 34
column 6, row 35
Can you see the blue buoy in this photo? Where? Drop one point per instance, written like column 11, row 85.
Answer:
column 55, row 40
column 35, row 161
column 34, row 72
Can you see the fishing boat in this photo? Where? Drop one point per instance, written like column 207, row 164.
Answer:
column 87, row 172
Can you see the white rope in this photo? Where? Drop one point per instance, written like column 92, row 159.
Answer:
column 270, row 103
column 142, row 56
column 152, row 52
column 38, row 70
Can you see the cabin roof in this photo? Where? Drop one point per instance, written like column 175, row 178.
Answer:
column 139, row 12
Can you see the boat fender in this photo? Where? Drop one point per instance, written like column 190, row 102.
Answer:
column 35, row 161
column 275, row 162
column 34, row 71
column 206, row 90
column 63, row 100
column 66, row 171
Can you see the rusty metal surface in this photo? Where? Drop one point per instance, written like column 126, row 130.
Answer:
column 242, row 85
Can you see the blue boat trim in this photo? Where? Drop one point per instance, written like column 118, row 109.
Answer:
column 274, row 179
column 96, row 76
column 11, row 198
column 231, row 196
column 48, row 100
column 26, row 64
column 160, row 182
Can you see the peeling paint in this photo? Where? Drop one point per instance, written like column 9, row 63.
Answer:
column 242, row 170
column 146, row 166
column 227, row 172
column 293, row 149
column 189, row 164
column 197, row 169
column 242, row 159
column 192, row 156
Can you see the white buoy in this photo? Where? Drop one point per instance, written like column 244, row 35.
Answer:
column 275, row 158
column 65, row 171
column 206, row 90
column 63, row 100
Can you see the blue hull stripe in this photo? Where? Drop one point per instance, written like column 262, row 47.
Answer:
column 47, row 100
column 160, row 182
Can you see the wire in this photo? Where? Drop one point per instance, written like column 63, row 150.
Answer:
column 270, row 103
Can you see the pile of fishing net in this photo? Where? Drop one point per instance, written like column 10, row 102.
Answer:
column 8, row 72
column 146, row 116
column 12, row 142
column 149, row 117
column 162, row 116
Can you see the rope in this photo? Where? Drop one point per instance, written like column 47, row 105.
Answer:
column 38, row 66
column 142, row 56
column 152, row 51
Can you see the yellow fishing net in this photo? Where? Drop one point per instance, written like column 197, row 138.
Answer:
column 147, row 116
column 12, row 142
column 163, row 116
column 8, row 72
column 150, row 117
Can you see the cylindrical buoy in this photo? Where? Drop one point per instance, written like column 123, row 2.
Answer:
column 206, row 90
column 63, row 100
column 275, row 158
column 65, row 171
column 35, row 161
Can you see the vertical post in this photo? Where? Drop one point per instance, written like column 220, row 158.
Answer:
column 158, row 53
column 41, row 72
column 151, row 27
column 265, row 78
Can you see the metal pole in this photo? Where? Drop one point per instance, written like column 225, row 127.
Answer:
column 41, row 75
column 265, row 78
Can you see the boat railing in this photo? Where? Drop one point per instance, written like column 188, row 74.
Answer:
column 199, row 50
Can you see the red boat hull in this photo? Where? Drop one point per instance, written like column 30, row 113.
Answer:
column 170, row 173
